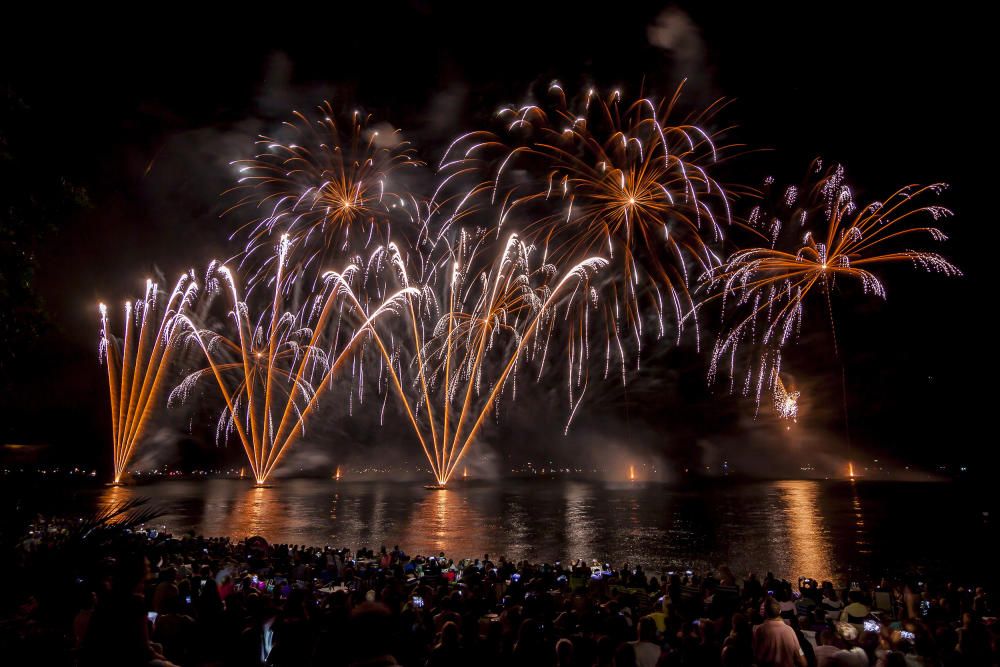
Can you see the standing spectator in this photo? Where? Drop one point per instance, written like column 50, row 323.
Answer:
column 774, row 643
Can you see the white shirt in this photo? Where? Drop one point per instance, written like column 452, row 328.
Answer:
column 647, row 654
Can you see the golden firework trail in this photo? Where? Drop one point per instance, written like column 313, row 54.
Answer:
column 461, row 352
column 333, row 185
column 136, row 364
column 274, row 371
column 599, row 175
column 769, row 286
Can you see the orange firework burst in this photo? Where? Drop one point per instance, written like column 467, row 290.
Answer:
column 602, row 176
column 273, row 372
column 462, row 349
column 838, row 241
column 332, row 185
column 136, row 364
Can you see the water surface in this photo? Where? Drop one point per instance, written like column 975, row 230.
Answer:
column 824, row 530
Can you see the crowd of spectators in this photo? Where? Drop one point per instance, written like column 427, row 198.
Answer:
column 138, row 597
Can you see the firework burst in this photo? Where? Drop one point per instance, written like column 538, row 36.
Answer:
column 598, row 175
column 786, row 403
column 833, row 240
column 137, row 363
column 274, row 371
column 334, row 186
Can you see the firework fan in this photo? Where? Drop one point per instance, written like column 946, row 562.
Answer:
column 333, row 183
column 599, row 175
column 485, row 314
column 816, row 238
column 273, row 372
column 139, row 361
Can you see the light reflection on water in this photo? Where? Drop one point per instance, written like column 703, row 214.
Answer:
column 810, row 552
column 793, row 528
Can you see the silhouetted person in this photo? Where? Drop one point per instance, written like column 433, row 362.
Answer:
column 774, row 643
column 448, row 651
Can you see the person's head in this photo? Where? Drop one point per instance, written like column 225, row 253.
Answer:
column 171, row 604
column 708, row 631
column 370, row 624
column 740, row 625
column 529, row 635
column 131, row 570
column 895, row 659
column 827, row 637
column 869, row 641
column 605, row 650
column 847, row 632
column 772, row 608
column 449, row 634
column 625, row 656
column 564, row 652
column 647, row 629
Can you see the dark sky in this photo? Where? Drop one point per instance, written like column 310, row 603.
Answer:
column 145, row 118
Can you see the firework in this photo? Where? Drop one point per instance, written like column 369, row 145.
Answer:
column 136, row 364
column 786, row 403
column 333, row 186
column 274, row 371
column 477, row 320
column 838, row 241
column 598, row 175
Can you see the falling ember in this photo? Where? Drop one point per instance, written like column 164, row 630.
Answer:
column 465, row 473
column 336, row 475
column 850, row 469
column 631, row 473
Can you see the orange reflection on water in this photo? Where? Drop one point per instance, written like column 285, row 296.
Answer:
column 250, row 517
column 808, row 548
column 578, row 522
column 444, row 521
column 861, row 537
column 241, row 509
column 114, row 495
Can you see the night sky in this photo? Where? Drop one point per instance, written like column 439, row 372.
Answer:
column 141, row 122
